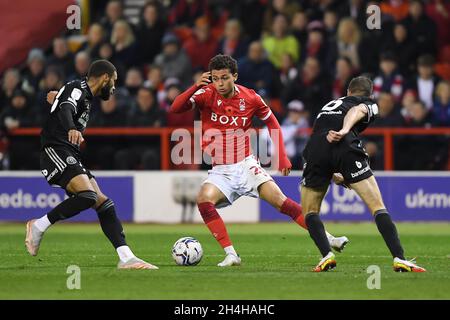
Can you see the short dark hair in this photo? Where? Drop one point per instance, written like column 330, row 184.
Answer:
column 222, row 61
column 100, row 67
column 361, row 86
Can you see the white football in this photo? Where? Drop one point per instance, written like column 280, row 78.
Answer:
column 187, row 251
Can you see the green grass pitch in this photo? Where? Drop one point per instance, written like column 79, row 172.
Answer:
column 277, row 261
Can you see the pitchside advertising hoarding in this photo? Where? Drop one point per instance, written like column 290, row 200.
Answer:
column 408, row 197
column 24, row 197
column 169, row 197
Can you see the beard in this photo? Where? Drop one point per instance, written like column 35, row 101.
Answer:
column 106, row 92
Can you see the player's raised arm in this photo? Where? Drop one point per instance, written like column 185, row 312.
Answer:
column 353, row 116
column 185, row 101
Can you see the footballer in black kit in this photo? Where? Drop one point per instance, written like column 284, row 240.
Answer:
column 61, row 163
column 335, row 146
column 348, row 156
column 60, row 159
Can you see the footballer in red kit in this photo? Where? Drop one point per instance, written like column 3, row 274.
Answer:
column 226, row 112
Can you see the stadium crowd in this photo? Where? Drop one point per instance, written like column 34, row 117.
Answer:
column 297, row 55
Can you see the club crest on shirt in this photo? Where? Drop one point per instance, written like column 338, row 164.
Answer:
column 241, row 104
column 71, row 160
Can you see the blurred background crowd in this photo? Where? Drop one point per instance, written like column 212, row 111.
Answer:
column 297, row 55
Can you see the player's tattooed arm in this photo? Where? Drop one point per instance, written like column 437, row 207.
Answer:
column 353, row 116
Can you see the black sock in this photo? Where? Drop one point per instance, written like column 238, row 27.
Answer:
column 317, row 232
column 110, row 224
column 389, row 232
column 72, row 206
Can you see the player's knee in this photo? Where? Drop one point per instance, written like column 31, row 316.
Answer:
column 101, row 198
column 87, row 198
column 205, row 197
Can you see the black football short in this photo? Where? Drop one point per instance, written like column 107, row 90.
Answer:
column 322, row 159
column 59, row 166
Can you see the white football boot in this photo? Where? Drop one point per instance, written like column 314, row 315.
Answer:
column 136, row 263
column 338, row 244
column 230, row 260
column 33, row 238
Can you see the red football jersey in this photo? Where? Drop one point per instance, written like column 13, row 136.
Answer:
column 226, row 122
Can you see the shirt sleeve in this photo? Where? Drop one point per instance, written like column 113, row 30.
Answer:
column 262, row 109
column 198, row 98
column 67, row 95
column 372, row 111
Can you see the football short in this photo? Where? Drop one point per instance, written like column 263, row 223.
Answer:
column 238, row 179
column 59, row 166
column 322, row 159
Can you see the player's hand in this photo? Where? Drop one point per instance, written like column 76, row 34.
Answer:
column 51, row 96
column 75, row 137
column 204, row 80
column 339, row 180
column 285, row 166
column 336, row 136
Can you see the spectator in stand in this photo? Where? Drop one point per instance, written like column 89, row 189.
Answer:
column 421, row 152
column 311, row 87
column 388, row 79
column 202, row 46
column 11, row 81
column 397, row 9
column 439, row 12
column 294, row 139
column 348, row 39
column 23, row 151
column 61, row 56
column 280, row 42
column 95, row 38
column 106, row 52
column 53, row 81
column 344, row 73
column 172, row 90
column 255, row 70
column 82, row 63
column 317, row 46
column 441, row 108
column 251, row 23
column 150, row 32
column 299, row 28
column 173, row 61
column 425, row 82
column 389, row 116
column 186, row 12
column 123, row 40
column 356, row 9
column 155, row 82
column 285, row 7
column 114, row 13
column 128, row 93
column 142, row 153
column 330, row 21
column 409, row 98
column 233, row 43
column 287, row 74
column 422, row 27
column 34, row 72
column 101, row 154
column 400, row 42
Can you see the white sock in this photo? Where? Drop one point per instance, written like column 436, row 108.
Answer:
column 329, row 236
column 42, row 223
column 125, row 253
column 230, row 250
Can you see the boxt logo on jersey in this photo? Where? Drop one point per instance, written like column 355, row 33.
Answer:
column 230, row 120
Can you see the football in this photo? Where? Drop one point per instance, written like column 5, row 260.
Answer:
column 187, row 251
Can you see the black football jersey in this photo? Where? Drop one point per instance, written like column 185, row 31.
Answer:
column 78, row 95
column 331, row 116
